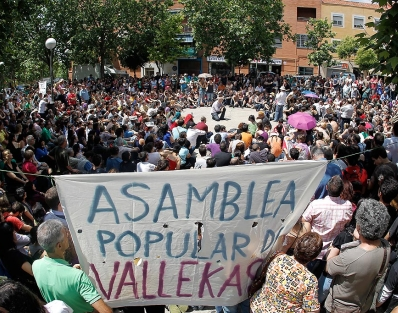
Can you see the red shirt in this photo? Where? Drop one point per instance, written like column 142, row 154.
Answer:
column 71, row 98
column 16, row 222
column 29, row 167
column 202, row 126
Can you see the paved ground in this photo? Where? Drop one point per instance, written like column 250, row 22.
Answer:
column 233, row 116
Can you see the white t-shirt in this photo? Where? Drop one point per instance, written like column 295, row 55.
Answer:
column 58, row 306
column 145, row 167
column 42, row 106
column 200, row 163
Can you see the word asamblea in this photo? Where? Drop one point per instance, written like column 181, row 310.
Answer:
column 230, row 198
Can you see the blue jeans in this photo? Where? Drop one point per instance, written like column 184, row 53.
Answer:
column 324, row 283
column 209, row 97
column 201, row 97
column 244, row 308
column 215, row 115
column 278, row 112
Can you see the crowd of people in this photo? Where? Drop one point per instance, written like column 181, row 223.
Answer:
column 339, row 257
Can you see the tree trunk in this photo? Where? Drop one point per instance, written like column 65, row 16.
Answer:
column 102, row 57
column 159, row 67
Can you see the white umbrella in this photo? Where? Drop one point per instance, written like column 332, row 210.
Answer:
column 205, row 75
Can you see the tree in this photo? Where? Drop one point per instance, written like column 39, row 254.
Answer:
column 384, row 42
column 318, row 33
column 237, row 29
column 154, row 37
column 167, row 47
column 366, row 59
column 347, row 48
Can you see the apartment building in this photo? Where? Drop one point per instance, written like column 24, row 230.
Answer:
column 348, row 17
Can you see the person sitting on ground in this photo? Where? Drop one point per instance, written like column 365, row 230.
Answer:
column 223, row 158
column 144, row 165
column 201, row 160
column 214, row 147
column 257, row 155
column 218, row 109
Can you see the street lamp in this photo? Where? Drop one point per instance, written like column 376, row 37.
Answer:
column 1, row 76
column 50, row 45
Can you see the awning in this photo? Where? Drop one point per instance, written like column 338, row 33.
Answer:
column 215, row 58
column 273, row 62
column 113, row 71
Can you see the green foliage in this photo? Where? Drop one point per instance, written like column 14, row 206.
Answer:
column 318, row 33
column 347, row 48
column 154, row 37
column 87, row 32
column 167, row 47
column 238, row 29
column 384, row 43
column 366, row 59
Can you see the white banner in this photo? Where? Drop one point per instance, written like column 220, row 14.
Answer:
column 43, row 87
column 136, row 233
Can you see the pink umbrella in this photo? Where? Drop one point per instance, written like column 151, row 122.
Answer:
column 302, row 120
column 311, row 95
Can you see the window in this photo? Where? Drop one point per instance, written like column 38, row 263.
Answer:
column 149, row 72
column 336, row 42
column 359, row 22
column 338, row 19
column 304, row 14
column 186, row 28
column 278, row 42
column 376, row 22
column 305, row 70
column 301, row 40
column 174, row 11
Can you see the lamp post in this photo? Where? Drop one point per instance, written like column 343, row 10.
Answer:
column 2, row 96
column 50, row 45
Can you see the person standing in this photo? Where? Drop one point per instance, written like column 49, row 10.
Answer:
column 280, row 102
column 289, row 286
column 327, row 217
column 57, row 280
column 358, row 267
column 210, row 91
column 202, row 91
column 346, row 111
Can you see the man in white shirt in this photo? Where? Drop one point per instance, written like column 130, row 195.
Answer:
column 201, row 159
column 347, row 110
column 280, row 100
column 218, row 108
column 193, row 134
column 42, row 106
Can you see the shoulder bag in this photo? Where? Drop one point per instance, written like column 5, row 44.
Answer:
column 260, row 280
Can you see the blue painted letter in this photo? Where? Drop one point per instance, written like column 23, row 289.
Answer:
column 99, row 191
column 167, row 191
column 125, row 192
column 266, row 200
column 103, row 241
column 193, row 191
column 231, row 202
